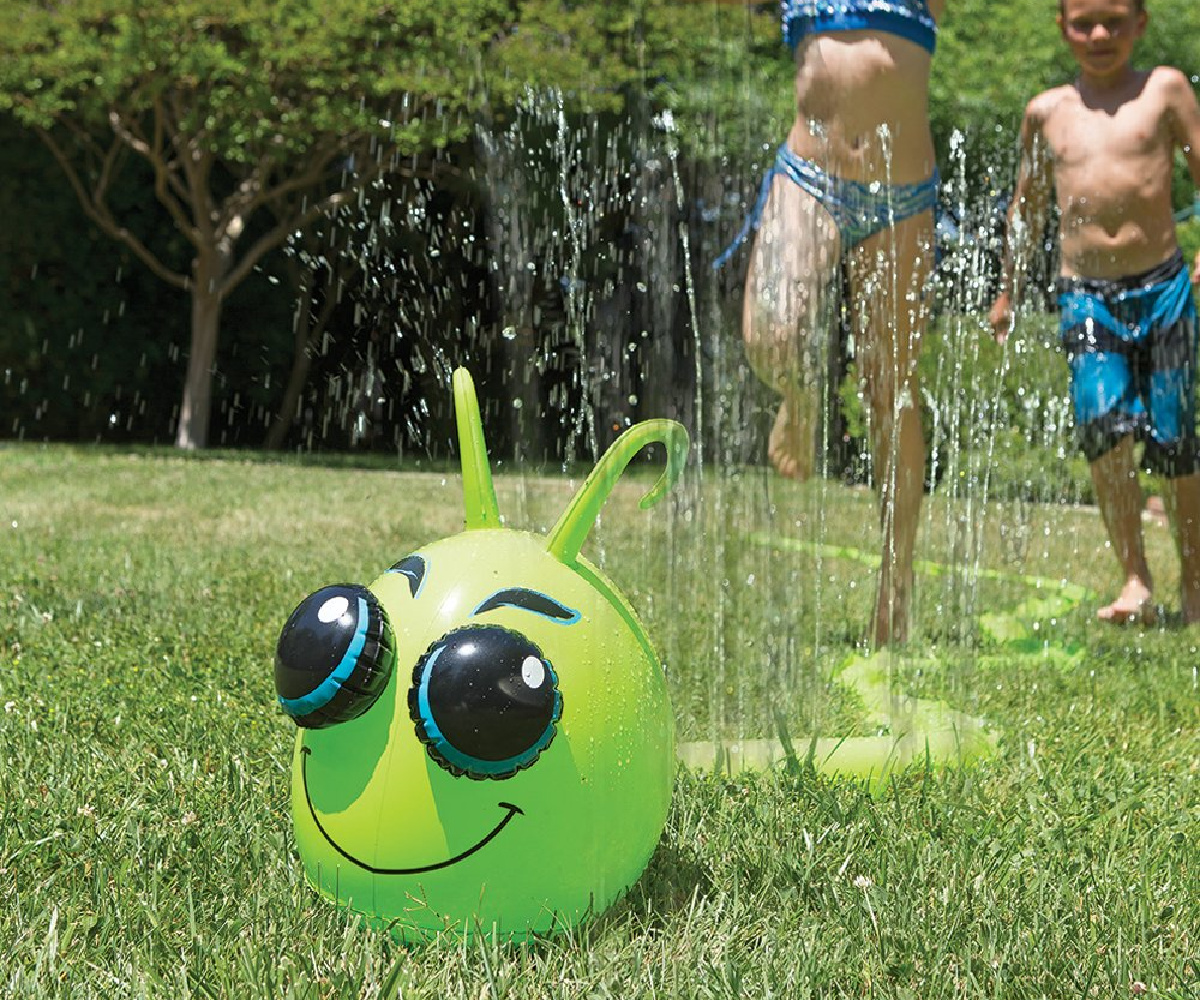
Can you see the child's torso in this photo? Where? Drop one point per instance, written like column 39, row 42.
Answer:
column 1112, row 164
column 851, row 84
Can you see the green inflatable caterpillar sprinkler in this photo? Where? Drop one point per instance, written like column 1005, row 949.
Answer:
column 485, row 740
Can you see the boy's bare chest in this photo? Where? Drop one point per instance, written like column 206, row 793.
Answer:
column 1084, row 138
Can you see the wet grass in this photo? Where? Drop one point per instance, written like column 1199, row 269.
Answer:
column 145, row 848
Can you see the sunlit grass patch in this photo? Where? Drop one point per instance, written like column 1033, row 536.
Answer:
column 146, row 848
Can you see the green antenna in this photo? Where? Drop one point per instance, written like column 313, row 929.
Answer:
column 479, row 495
column 573, row 527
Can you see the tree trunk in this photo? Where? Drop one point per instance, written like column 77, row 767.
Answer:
column 297, row 377
column 207, row 296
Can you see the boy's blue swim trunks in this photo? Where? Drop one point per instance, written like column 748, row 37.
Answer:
column 1131, row 345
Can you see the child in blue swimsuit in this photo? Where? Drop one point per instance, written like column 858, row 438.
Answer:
column 859, row 210
column 1107, row 142
column 851, row 193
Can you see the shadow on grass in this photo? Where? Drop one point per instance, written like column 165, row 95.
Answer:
column 356, row 461
column 671, row 882
column 368, row 461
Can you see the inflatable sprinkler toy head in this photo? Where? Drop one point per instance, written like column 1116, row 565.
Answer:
column 485, row 739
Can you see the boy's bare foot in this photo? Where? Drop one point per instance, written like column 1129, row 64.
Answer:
column 1133, row 606
column 790, row 445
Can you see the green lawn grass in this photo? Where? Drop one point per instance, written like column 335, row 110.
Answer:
column 145, row 842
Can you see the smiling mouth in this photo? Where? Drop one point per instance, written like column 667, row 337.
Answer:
column 510, row 811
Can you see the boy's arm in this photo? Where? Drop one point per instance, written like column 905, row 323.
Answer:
column 1185, row 127
column 1026, row 215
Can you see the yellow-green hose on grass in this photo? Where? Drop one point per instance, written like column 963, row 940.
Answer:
column 918, row 730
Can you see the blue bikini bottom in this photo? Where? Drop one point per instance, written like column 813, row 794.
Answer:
column 859, row 210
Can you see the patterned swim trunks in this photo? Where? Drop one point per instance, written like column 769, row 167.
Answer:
column 1131, row 346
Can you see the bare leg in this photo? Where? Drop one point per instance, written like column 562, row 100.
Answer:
column 784, row 318
column 1119, row 495
column 1182, row 497
column 888, row 278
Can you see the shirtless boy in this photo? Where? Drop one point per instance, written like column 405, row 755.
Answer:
column 853, row 186
column 1104, row 145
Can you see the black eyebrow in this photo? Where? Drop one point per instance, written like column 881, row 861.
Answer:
column 414, row 568
column 530, row 600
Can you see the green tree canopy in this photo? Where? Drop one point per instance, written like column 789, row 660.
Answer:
column 255, row 117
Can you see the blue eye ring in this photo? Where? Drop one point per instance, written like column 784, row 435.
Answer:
column 334, row 656
column 485, row 702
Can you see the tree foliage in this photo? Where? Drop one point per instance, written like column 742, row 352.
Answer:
column 253, row 117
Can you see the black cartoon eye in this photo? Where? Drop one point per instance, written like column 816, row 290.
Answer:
column 485, row 702
column 334, row 656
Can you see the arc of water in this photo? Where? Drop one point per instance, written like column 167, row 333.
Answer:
column 479, row 493
column 573, row 527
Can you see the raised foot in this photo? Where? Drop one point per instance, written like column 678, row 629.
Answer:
column 1133, row 606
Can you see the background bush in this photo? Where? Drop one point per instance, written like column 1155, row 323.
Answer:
column 1188, row 234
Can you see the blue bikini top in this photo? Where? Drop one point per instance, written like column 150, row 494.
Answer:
column 908, row 19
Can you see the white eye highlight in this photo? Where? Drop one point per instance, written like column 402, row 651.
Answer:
column 533, row 672
column 333, row 609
